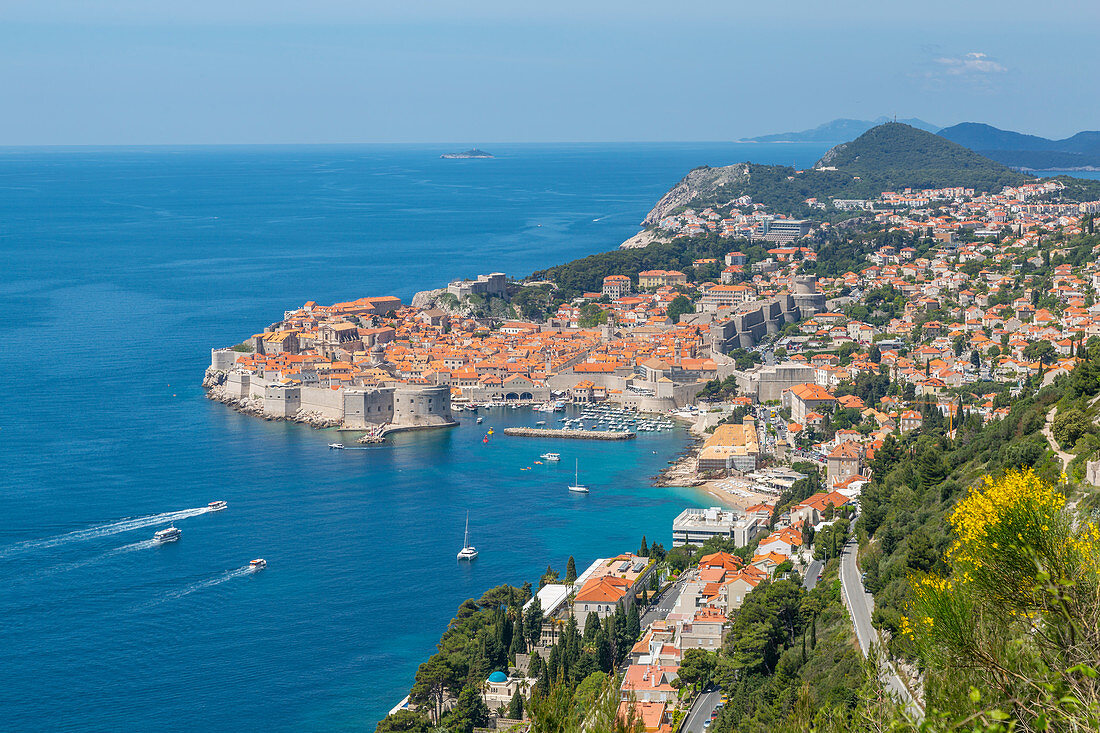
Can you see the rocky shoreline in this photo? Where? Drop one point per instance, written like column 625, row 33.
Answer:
column 681, row 472
column 212, row 381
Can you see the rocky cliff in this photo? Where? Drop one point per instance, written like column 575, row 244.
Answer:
column 427, row 298
column 702, row 183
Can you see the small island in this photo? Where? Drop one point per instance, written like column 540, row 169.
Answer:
column 472, row 153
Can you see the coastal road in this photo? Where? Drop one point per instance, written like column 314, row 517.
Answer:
column 860, row 605
column 701, row 710
column 812, row 570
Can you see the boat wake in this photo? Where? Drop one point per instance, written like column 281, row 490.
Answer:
column 209, row 583
column 143, row 545
column 68, row 567
column 103, row 530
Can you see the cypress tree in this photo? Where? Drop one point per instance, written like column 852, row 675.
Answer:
column 813, row 632
column 553, row 664
column 570, row 570
column 532, row 623
column 603, row 651
column 517, row 645
column 591, row 626
column 643, row 551
column 633, row 623
column 542, row 685
column 515, row 707
column 645, row 597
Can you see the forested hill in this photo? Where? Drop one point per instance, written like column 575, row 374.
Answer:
column 888, row 157
column 895, row 155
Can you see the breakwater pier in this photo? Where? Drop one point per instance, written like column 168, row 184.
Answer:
column 571, row 434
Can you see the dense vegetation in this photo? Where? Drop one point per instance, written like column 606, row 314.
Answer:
column 587, row 274
column 894, row 155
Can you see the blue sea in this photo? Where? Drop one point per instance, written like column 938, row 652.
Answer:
column 119, row 269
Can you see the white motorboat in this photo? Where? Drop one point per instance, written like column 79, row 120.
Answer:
column 168, row 534
column 577, row 487
column 468, row 551
column 551, row 456
column 258, row 564
column 480, row 420
column 336, row 446
column 217, row 506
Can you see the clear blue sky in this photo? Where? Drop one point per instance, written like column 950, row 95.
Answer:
column 273, row 71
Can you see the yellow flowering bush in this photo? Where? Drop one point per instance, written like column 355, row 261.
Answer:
column 1018, row 614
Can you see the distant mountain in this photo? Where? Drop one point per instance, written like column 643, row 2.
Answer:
column 1027, row 151
column 890, row 156
column 837, row 131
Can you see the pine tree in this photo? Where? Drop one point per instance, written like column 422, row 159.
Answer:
column 570, row 570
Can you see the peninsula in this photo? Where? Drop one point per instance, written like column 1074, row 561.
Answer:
column 471, row 153
column 853, row 374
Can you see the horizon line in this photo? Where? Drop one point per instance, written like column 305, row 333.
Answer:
column 26, row 146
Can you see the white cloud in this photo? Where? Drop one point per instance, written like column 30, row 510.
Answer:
column 974, row 62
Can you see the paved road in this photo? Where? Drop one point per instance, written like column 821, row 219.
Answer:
column 861, row 604
column 664, row 603
column 701, row 710
column 811, row 574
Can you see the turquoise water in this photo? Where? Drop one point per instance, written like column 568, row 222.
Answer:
column 120, row 269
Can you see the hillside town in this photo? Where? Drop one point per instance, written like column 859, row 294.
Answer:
column 788, row 379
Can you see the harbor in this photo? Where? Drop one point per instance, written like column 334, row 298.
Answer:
column 570, row 434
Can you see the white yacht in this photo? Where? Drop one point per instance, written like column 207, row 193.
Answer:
column 551, row 456
column 168, row 534
column 217, row 506
column 577, row 487
column 336, row 446
column 468, row 551
column 258, row 564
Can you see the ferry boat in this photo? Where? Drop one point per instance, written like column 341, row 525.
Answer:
column 577, row 487
column 168, row 534
column 217, row 506
column 551, row 456
column 468, row 551
column 258, row 564
column 336, row 446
